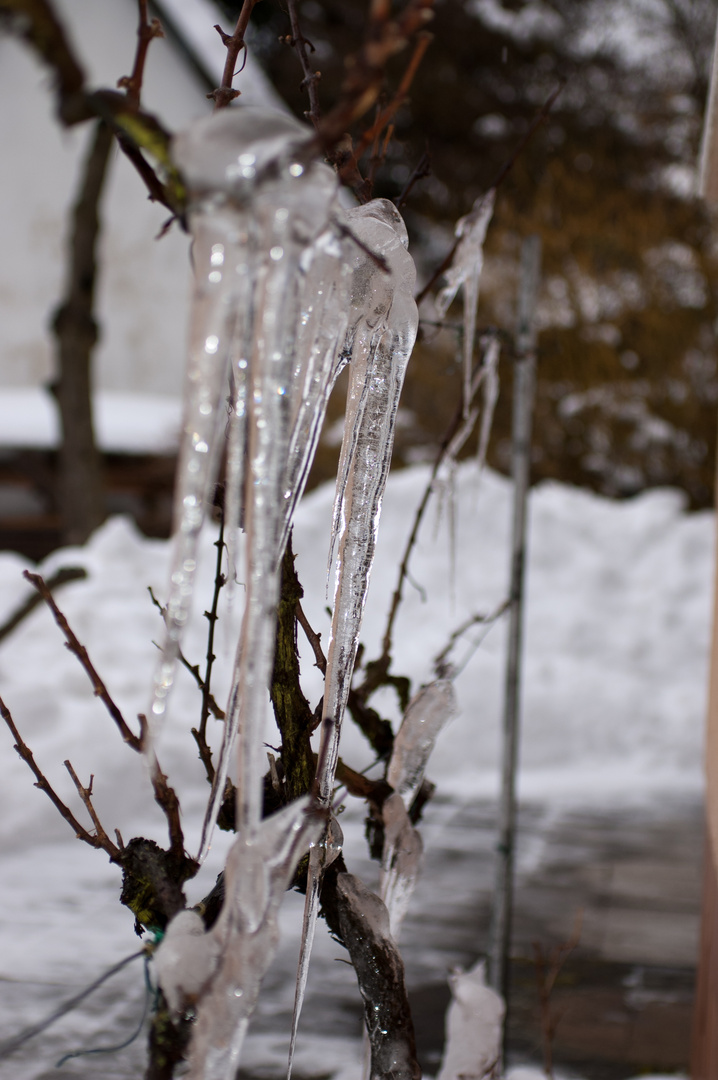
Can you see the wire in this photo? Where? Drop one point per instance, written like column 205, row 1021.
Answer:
column 150, row 994
column 11, row 1045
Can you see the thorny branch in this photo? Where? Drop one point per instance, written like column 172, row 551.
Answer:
column 61, row 577
column 165, row 796
column 200, row 734
column 234, row 43
column 146, row 31
column 548, row 968
column 311, row 77
column 78, row 650
column 85, row 794
column 100, row 840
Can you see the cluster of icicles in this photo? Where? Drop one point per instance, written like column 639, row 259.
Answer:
column 288, row 288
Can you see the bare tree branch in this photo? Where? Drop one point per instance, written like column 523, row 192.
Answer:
column 41, row 781
column 85, row 794
column 78, row 650
column 61, row 577
column 234, row 43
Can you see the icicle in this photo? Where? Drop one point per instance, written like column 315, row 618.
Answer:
column 474, row 1027
column 242, row 943
column 427, row 714
column 211, row 323
column 321, row 855
column 465, row 273
column 401, row 862
column 490, row 383
column 266, row 254
column 382, row 329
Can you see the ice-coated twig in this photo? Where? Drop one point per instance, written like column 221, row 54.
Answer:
column 401, row 861
column 321, row 855
column 382, row 329
column 465, row 273
column 428, row 713
column 220, row 971
column 363, row 923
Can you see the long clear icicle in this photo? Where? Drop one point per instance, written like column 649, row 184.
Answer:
column 383, row 321
column 280, row 280
column 465, row 273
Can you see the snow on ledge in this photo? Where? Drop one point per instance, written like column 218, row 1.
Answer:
column 124, row 422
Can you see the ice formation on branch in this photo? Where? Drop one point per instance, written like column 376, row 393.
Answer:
column 220, row 971
column 268, row 316
column 465, row 273
column 383, row 321
column 427, row 713
column 474, row 1026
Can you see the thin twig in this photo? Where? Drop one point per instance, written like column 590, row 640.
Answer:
column 61, row 577
column 78, row 650
column 477, row 619
column 387, row 114
column 503, row 172
column 314, row 639
column 200, row 735
column 43, row 783
column 311, row 77
column 421, row 170
column 234, row 43
column 146, row 31
column 85, row 794
column 385, row 38
column 165, row 795
column 193, row 669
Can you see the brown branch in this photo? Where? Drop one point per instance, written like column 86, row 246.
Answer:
column 372, row 134
column 61, row 577
column 311, row 77
column 420, row 171
column 78, row 650
column 43, row 783
column 314, row 639
column 166, row 799
column 81, row 481
column 365, row 69
column 538, row 120
column 234, row 43
column 146, row 31
column 211, row 616
column 85, row 794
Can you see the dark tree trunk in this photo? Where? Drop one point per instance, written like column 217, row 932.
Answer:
column 81, row 494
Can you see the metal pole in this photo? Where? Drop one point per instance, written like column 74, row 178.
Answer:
column 524, row 379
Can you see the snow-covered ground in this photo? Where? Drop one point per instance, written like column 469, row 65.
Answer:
column 619, row 599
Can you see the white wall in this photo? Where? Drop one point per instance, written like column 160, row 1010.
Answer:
column 143, row 283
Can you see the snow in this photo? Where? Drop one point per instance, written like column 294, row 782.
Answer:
column 125, row 423
column 619, row 598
